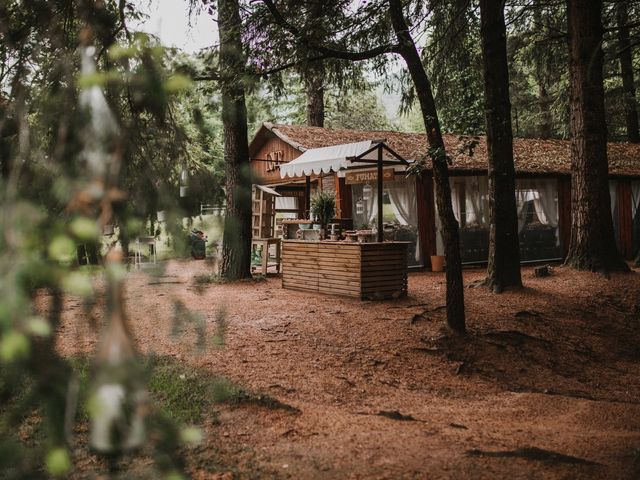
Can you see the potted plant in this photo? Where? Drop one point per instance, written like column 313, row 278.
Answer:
column 323, row 208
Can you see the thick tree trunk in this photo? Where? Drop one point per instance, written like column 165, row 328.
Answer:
column 455, row 287
column 626, row 68
column 504, row 249
column 236, row 249
column 314, row 74
column 592, row 245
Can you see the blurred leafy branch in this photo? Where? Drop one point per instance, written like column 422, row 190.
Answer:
column 65, row 175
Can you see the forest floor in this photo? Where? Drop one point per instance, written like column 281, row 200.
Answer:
column 545, row 385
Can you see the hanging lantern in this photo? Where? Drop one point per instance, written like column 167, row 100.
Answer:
column 367, row 192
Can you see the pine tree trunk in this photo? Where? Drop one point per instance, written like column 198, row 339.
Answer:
column 504, row 249
column 314, row 74
column 626, row 68
column 592, row 245
column 236, row 249
column 314, row 90
column 455, row 287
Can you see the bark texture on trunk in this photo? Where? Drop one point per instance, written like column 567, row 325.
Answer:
column 592, row 245
column 626, row 69
column 314, row 74
column 314, row 92
column 504, row 248
column 422, row 84
column 236, row 249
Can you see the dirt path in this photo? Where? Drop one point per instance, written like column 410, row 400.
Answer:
column 383, row 394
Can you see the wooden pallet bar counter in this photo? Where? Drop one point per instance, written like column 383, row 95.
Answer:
column 369, row 271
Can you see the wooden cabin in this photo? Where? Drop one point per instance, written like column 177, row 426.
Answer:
column 543, row 190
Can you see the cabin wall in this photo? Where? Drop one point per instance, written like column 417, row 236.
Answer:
column 327, row 182
column 263, row 163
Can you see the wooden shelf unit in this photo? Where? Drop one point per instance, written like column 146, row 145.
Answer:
column 263, row 209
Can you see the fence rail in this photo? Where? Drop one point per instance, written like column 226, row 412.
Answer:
column 208, row 209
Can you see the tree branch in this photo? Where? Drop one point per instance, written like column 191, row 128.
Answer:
column 327, row 51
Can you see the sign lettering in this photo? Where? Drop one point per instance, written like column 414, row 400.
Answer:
column 354, row 177
column 274, row 159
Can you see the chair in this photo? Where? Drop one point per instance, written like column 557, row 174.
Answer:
column 262, row 245
column 151, row 243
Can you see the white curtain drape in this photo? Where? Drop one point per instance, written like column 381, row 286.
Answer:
column 612, row 193
column 455, row 200
column 635, row 198
column 402, row 194
column 476, row 201
column 287, row 203
column 523, row 195
column 365, row 197
column 546, row 201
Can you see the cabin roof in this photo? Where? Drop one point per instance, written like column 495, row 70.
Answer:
column 531, row 155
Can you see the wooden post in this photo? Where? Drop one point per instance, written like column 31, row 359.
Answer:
column 343, row 198
column 307, row 196
column 380, row 196
column 426, row 217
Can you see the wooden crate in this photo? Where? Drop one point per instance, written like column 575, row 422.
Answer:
column 361, row 270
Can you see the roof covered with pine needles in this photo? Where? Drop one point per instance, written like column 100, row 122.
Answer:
column 531, row 155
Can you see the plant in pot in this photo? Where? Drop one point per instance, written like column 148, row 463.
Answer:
column 323, row 208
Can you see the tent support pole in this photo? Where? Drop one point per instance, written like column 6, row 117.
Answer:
column 380, row 232
column 307, row 197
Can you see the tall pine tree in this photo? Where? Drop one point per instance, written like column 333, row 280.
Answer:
column 592, row 245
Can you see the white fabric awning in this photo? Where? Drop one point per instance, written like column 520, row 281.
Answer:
column 327, row 159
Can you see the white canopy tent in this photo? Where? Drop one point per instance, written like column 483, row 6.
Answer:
column 339, row 157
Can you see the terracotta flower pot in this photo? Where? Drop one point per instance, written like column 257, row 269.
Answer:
column 437, row 263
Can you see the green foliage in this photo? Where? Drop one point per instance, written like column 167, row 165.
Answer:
column 358, row 110
column 65, row 171
column 208, row 278
column 323, row 206
column 538, row 71
column 455, row 63
column 58, row 462
column 180, row 391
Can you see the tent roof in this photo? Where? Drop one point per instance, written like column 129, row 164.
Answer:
column 337, row 157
